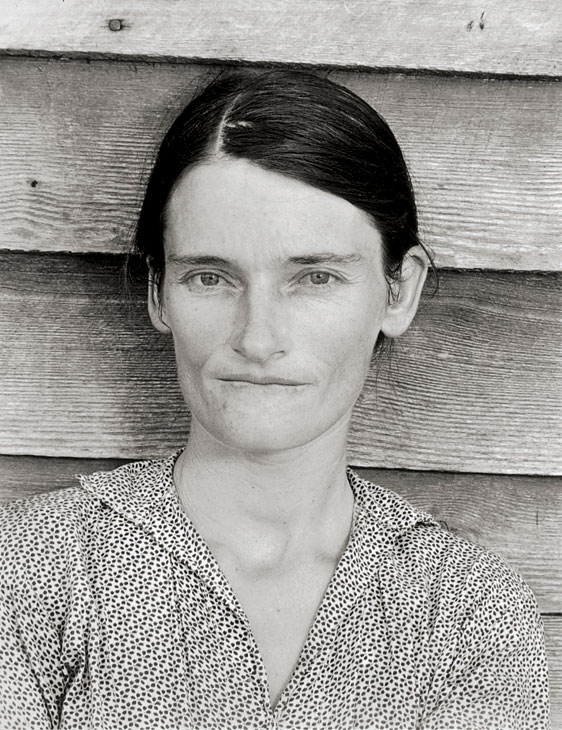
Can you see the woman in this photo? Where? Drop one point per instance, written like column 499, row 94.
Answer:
column 252, row 580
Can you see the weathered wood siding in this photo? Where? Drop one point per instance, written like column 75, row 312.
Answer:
column 488, row 36
column 466, row 422
column 77, row 137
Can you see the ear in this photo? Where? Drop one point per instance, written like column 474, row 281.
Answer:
column 154, row 303
column 405, row 293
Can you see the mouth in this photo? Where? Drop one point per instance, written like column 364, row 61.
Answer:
column 261, row 380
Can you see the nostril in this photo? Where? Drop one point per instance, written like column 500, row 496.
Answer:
column 258, row 341
column 261, row 330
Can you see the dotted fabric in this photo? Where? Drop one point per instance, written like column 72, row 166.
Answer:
column 115, row 614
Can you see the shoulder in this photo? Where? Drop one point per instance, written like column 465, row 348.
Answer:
column 470, row 583
column 43, row 537
column 42, row 522
column 467, row 573
column 40, row 556
column 441, row 562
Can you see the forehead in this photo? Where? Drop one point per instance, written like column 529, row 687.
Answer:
column 234, row 207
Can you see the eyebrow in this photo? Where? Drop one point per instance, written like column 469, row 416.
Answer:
column 198, row 260
column 327, row 258
column 308, row 260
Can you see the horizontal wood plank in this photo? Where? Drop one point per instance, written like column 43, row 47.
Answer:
column 489, row 36
column 476, row 385
column 28, row 476
column 553, row 643
column 517, row 517
column 76, row 140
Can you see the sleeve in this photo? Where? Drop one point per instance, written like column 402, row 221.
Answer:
column 22, row 705
column 32, row 678
column 495, row 675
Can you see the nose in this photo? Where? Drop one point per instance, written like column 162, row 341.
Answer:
column 261, row 328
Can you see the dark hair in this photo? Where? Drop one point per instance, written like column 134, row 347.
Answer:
column 300, row 125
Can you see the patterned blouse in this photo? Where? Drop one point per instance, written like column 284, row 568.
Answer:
column 115, row 614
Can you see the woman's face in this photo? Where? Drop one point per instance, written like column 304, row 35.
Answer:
column 274, row 293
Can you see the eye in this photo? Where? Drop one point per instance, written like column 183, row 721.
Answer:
column 208, row 278
column 204, row 280
column 318, row 278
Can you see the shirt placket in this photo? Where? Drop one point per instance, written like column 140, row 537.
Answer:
column 346, row 586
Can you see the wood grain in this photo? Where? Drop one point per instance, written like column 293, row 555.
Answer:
column 77, row 138
column 487, row 36
column 28, row 476
column 474, row 386
column 553, row 643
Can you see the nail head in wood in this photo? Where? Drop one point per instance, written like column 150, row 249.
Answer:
column 115, row 24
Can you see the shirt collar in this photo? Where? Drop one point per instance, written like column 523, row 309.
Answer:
column 381, row 518
column 143, row 492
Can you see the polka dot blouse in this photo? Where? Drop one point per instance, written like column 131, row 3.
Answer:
column 115, row 614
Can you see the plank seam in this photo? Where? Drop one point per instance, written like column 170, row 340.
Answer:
column 199, row 61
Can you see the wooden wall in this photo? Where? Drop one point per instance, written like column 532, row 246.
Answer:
column 466, row 419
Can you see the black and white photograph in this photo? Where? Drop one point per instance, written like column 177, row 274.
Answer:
column 281, row 365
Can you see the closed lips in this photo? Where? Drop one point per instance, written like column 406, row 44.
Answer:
column 260, row 380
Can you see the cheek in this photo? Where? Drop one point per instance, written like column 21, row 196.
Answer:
column 198, row 332
column 344, row 341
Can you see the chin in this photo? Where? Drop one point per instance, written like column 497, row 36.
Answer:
column 254, row 436
column 261, row 441
column 268, row 425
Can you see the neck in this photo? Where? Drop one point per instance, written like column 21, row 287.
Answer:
column 267, row 508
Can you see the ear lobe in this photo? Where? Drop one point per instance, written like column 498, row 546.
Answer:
column 401, row 310
column 155, row 306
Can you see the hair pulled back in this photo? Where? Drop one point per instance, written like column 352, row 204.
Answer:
column 300, row 125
